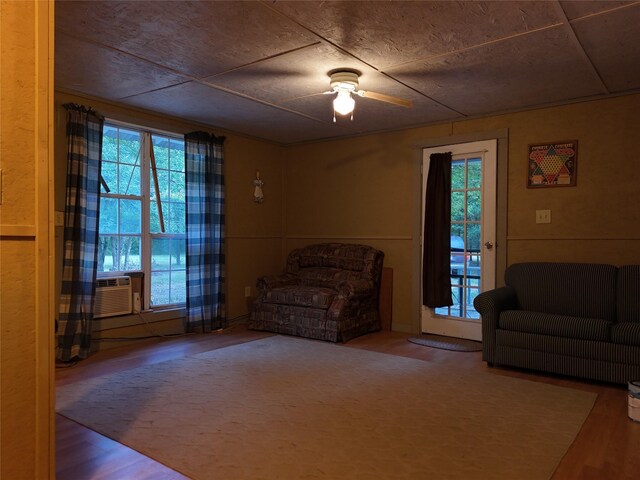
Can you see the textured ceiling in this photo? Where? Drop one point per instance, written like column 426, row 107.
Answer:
column 254, row 67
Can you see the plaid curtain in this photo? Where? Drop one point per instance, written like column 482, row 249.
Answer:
column 84, row 139
column 204, row 177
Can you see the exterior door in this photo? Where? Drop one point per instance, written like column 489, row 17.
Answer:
column 473, row 233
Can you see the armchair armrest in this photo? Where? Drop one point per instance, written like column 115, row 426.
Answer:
column 274, row 281
column 347, row 288
column 490, row 304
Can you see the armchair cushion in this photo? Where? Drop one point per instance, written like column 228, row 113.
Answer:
column 300, row 295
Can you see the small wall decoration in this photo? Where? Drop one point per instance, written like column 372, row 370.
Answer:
column 553, row 164
column 258, row 195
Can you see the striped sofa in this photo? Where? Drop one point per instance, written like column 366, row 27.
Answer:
column 572, row 319
column 329, row 291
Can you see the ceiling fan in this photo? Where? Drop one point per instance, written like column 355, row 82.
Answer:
column 344, row 83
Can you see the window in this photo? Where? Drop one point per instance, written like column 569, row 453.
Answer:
column 132, row 237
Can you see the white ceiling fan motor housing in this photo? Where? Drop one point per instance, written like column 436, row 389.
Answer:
column 344, row 81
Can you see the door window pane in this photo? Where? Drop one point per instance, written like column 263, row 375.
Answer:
column 458, row 175
column 474, row 166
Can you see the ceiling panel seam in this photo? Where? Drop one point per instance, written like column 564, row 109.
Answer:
column 576, row 41
column 265, row 59
column 472, row 47
column 604, row 12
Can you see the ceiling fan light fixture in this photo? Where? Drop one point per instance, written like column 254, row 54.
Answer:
column 344, row 103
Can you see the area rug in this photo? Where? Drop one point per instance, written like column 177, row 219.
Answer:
column 289, row 408
column 447, row 343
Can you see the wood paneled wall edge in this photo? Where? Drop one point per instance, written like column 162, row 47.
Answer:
column 253, row 237
column 18, row 231
column 571, row 239
column 338, row 237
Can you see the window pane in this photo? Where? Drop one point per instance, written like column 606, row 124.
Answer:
column 160, row 249
column 473, row 205
column 107, row 250
column 457, row 175
column 110, row 143
column 177, row 191
column 178, row 286
column 473, row 237
column 457, row 206
column 110, row 175
column 129, row 180
column 178, row 254
column 175, row 221
column 457, row 230
column 161, row 151
column 130, row 253
column 474, row 173
column 177, row 155
column 130, row 216
column 108, row 222
column 472, row 293
column 129, row 146
column 160, row 290
column 154, row 219
column 163, row 184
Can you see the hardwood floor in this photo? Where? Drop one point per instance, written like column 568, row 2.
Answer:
column 607, row 447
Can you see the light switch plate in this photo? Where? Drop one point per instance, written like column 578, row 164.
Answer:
column 543, row 216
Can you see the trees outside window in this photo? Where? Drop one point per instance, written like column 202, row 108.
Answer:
column 131, row 237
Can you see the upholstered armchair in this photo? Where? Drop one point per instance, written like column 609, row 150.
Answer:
column 329, row 292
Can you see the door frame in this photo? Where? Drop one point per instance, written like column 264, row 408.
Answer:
column 488, row 151
column 502, row 136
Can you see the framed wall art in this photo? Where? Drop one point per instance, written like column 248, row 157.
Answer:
column 553, row 164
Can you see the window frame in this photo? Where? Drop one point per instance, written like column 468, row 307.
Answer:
column 146, row 235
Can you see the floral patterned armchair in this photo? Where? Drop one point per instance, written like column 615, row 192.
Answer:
column 329, row 292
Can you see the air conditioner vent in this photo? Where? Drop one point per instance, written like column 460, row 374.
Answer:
column 113, row 297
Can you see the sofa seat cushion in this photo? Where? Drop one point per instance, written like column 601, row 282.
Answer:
column 626, row 333
column 302, row 296
column 557, row 325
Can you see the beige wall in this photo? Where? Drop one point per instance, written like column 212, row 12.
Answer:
column 26, row 321
column 254, row 230
column 366, row 190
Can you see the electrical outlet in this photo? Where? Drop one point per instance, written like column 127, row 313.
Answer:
column 543, row 216
column 247, row 292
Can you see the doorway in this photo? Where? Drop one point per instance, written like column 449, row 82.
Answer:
column 473, row 236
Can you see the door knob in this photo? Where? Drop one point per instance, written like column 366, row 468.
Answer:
column 489, row 245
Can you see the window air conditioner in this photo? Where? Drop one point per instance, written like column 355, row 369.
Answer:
column 113, row 297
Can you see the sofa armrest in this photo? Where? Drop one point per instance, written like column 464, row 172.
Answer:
column 490, row 304
column 274, row 281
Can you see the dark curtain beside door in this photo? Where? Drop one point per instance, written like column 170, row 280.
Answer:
column 436, row 281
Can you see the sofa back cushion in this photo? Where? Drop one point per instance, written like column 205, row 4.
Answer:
column 575, row 289
column 343, row 261
column 629, row 293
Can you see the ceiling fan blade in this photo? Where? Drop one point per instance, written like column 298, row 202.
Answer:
column 386, row 98
column 307, row 96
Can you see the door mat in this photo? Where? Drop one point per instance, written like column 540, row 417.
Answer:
column 447, row 343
